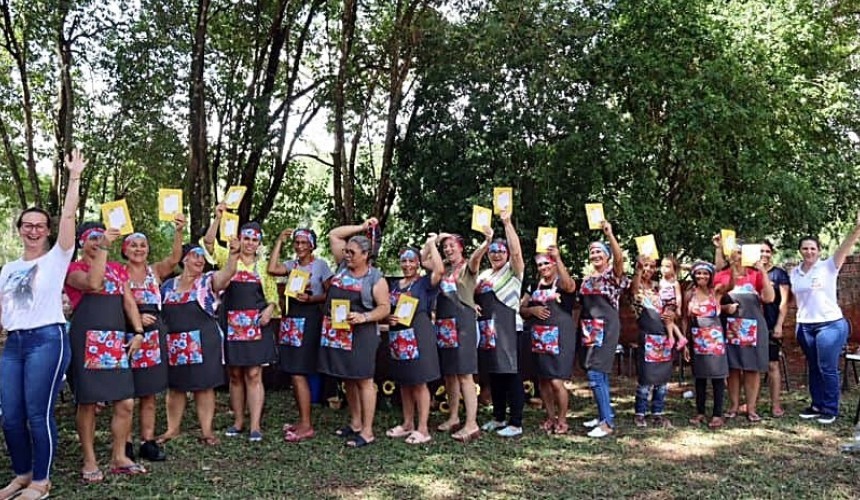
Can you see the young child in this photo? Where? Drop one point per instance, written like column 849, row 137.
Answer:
column 670, row 294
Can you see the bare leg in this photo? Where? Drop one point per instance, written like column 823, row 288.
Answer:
column 353, row 399
column 147, row 418
column 470, row 401
column 85, row 420
column 452, row 392
column 734, row 385
column 421, row 396
column 120, row 428
column 237, row 395
column 561, row 397
column 256, row 394
column 367, row 403
column 775, row 385
column 547, row 395
column 752, row 386
column 176, row 401
column 302, row 392
column 407, row 395
column 205, row 403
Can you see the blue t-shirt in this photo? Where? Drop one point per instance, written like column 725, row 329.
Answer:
column 777, row 276
column 423, row 290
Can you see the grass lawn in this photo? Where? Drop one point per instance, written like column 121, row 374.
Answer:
column 776, row 458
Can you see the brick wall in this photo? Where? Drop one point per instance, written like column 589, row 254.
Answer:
column 848, row 292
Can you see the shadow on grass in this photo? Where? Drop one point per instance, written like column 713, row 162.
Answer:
column 776, row 458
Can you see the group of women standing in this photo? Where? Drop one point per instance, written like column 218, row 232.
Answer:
column 138, row 330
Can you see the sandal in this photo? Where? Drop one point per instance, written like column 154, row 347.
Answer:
column 358, row 442
column 209, row 441
column 753, row 417
column 560, row 428
column 92, row 477
column 164, row 438
column 416, row 437
column 466, row 437
column 292, row 436
column 548, row 426
column 35, row 491
column 698, row 420
column 14, row 486
column 132, row 469
column 730, row 414
column 399, row 432
column 716, row 423
column 778, row 413
column 288, row 427
column 346, row 432
column 446, row 427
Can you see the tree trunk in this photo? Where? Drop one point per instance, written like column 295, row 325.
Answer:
column 64, row 121
column 12, row 161
column 344, row 201
column 198, row 168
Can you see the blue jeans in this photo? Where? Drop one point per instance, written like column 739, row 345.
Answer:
column 822, row 344
column 599, row 383
column 658, row 400
column 31, row 371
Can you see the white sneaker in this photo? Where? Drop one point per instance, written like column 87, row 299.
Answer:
column 493, row 425
column 591, row 423
column 599, row 432
column 510, row 431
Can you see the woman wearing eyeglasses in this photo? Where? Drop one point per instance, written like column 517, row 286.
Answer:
column 548, row 309
column 36, row 354
column 250, row 304
column 350, row 335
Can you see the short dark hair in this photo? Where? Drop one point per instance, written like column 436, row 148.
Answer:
column 768, row 243
column 809, row 238
column 37, row 210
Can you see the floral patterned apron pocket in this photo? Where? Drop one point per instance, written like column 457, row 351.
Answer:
column 545, row 339
column 657, row 349
column 104, row 350
column 403, row 345
column 447, row 336
column 292, row 332
column 334, row 338
column 184, row 348
column 487, row 331
column 149, row 354
column 244, row 325
column 592, row 332
column 708, row 341
column 742, row 332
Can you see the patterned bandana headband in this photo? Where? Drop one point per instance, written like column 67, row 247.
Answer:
column 497, row 247
column 408, row 254
column 93, row 233
column 542, row 258
column 601, row 246
column 251, row 232
column 703, row 266
column 304, row 233
column 196, row 250
column 128, row 239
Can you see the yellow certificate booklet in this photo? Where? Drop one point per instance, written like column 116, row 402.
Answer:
column 339, row 314
column 169, row 204
column 405, row 309
column 503, row 199
column 546, row 237
column 229, row 226
column 728, row 238
column 646, row 245
column 234, row 196
column 115, row 216
column 481, row 218
column 297, row 282
column 750, row 254
column 594, row 212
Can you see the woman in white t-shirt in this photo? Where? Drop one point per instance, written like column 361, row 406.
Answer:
column 37, row 351
column 821, row 329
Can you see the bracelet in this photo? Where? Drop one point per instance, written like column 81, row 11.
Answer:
column 366, row 317
column 136, row 333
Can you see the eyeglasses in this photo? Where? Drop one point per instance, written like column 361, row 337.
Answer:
column 543, row 264
column 31, row 227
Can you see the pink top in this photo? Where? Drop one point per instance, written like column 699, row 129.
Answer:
column 116, row 276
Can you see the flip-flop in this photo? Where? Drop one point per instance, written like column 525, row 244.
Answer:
column 288, row 427
column 346, row 432
column 164, row 438
column 548, row 426
column 133, row 469
column 778, row 413
column 697, row 420
column 716, row 423
column 560, row 428
column 398, row 432
column 753, row 417
column 358, row 441
column 92, row 477
column 467, row 438
column 446, row 427
column 209, row 441
column 416, row 437
column 296, row 437
column 730, row 414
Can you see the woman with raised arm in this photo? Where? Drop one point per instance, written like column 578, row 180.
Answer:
column 548, row 309
column 655, row 355
column 299, row 332
column 746, row 328
column 412, row 346
column 600, row 324
column 350, row 353
column 195, row 346
column 250, row 304
column 36, row 354
column 149, row 365
column 456, row 331
column 498, row 298
column 100, row 370
column 702, row 320
column 822, row 330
